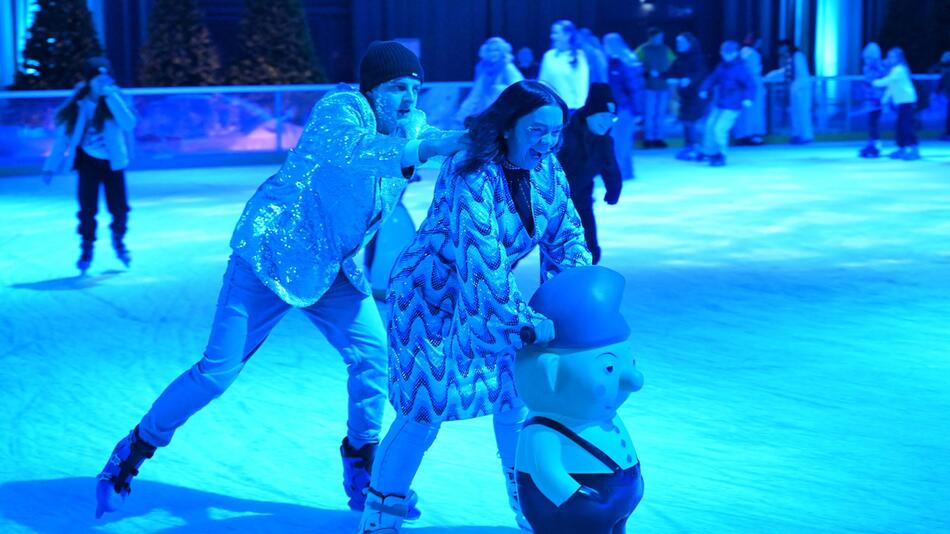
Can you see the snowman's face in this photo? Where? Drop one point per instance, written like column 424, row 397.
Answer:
column 590, row 384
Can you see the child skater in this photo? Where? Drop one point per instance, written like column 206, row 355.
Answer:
column 899, row 91
column 90, row 138
column 735, row 90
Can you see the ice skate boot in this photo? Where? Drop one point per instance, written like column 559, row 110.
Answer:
column 120, row 251
column 357, row 469
column 513, row 500
column 114, row 482
column 686, row 154
column 384, row 514
column 85, row 258
column 870, row 151
column 911, row 153
column 898, row 154
column 717, row 161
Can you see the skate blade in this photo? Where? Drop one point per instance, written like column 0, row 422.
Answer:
column 107, row 500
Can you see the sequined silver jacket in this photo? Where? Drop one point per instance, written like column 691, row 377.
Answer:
column 308, row 221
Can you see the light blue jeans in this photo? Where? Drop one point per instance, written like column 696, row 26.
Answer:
column 718, row 124
column 247, row 312
column 406, row 442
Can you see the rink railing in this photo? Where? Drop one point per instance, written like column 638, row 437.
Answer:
column 189, row 126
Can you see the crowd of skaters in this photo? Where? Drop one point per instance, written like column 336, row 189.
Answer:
column 729, row 96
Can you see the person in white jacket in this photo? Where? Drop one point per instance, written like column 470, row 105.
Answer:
column 794, row 71
column 564, row 67
column 899, row 91
column 90, row 138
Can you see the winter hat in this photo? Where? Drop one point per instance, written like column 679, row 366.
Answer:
column 598, row 99
column 871, row 51
column 93, row 66
column 584, row 304
column 387, row 60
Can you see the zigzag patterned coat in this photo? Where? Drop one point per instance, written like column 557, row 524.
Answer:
column 456, row 311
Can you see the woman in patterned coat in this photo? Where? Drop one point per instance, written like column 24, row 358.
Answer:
column 456, row 311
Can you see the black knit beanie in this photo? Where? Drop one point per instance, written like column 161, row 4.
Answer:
column 598, row 97
column 93, row 66
column 387, row 60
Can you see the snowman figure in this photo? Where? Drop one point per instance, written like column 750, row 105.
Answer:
column 576, row 467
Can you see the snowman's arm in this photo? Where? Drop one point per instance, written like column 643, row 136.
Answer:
column 549, row 473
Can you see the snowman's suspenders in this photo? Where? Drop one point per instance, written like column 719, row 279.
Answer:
column 571, row 435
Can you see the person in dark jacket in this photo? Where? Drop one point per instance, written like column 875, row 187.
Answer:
column 943, row 86
column 734, row 91
column 588, row 150
column 687, row 72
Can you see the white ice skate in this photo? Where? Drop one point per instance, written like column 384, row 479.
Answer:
column 384, row 514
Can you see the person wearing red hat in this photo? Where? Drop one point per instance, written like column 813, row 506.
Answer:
column 294, row 247
column 90, row 138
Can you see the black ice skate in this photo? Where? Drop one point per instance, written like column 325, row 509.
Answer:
column 114, row 482
column 85, row 259
column 357, row 469
column 120, row 251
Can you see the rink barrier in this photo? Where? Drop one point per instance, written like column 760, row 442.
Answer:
column 218, row 125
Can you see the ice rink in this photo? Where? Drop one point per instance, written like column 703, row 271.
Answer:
column 791, row 313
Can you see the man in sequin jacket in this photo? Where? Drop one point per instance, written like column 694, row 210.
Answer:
column 294, row 247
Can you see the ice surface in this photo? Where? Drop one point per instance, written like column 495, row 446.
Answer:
column 791, row 312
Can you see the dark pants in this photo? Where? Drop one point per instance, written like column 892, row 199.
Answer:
column 690, row 134
column 620, row 493
column 946, row 125
column 93, row 172
column 905, row 126
column 874, row 125
column 584, row 204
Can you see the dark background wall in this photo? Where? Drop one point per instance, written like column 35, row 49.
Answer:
column 450, row 31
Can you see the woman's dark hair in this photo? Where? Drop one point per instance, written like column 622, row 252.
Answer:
column 70, row 111
column 569, row 28
column 486, row 130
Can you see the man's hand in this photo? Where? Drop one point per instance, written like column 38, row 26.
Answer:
column 446, row 145
column 703, row 94
column 411, row 125
column 684, row 82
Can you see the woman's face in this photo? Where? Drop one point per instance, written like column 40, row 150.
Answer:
column 534, row 136
column 682, row 44
column 560, row 39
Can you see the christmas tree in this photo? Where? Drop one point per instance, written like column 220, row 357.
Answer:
column 178, row 51
column 276, row 47
column 61, row 38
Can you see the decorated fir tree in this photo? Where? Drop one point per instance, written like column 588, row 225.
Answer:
column 178, row 51
column 61, row 38
column 275, row 46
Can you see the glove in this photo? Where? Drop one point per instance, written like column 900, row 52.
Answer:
column 612, row 198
